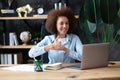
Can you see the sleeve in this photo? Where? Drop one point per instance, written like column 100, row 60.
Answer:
column 38, row 49
column 76, row 52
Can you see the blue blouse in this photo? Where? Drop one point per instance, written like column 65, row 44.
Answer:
column 72, row 42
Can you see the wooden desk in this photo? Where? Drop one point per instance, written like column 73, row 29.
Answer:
column 112, row 72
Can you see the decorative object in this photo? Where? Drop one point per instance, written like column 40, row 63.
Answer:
column 25, row 36
column 24, row 9
column 40, row 11
column 59, row 5
column 6, row 9
column 9, row 3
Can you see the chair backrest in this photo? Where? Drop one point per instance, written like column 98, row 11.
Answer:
column 44, row 32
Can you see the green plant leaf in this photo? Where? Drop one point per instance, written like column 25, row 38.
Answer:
column 1, row 28
column 88, row 38
column 118, row 13
column 108, row 31
column 91, row 26
column 97, row 12
column 109, row 10
column 118, row 32
column 36, row 34
column 92, row 9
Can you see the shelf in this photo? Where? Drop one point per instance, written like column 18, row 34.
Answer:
column 21, row 18
column 17, row 47
column 28, row 18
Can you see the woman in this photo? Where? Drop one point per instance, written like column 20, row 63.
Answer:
column 62, row 46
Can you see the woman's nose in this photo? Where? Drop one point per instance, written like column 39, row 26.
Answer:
column 65, row 25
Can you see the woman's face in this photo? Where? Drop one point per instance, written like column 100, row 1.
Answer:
column 62, row 25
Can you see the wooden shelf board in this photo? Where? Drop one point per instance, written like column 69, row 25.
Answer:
column 17, row 47
column 27, row 18
column 21, row 18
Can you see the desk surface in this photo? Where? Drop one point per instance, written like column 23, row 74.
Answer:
column 112, row 72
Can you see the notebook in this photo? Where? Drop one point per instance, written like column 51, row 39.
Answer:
column 94, row 56
column 55, row 66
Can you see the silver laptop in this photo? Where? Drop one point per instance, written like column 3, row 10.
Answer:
column 95, row 55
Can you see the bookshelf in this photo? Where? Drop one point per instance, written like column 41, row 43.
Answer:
column 4, row 48
column 12, row 54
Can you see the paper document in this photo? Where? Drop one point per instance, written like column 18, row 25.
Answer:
column 30, row 68
column 20, row 68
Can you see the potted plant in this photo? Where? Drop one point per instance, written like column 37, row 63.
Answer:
column 99, row 21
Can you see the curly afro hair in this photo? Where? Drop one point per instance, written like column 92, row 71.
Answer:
column 53, row 16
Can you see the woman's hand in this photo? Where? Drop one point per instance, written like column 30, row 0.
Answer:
column 56, row 46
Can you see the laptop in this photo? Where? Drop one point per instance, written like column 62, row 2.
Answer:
column 94, row 56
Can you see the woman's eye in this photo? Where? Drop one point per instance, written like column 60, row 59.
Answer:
column 61, row 23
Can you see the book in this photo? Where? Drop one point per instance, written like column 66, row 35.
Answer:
column 12, row 42
column 55, row 66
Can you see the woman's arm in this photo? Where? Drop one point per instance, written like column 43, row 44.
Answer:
column 76, row 53
column 39, row 48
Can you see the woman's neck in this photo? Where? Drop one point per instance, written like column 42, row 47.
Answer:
column 61, row 36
